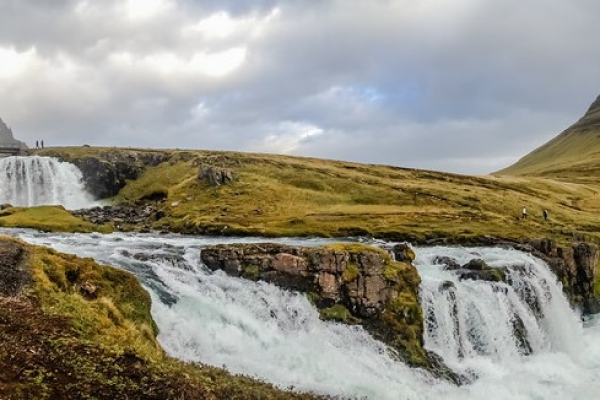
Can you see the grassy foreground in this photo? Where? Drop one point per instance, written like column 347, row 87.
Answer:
column 78, row 330
column 276, row 195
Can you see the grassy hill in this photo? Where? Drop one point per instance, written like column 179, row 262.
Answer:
column 276, row 195
column 574, row 155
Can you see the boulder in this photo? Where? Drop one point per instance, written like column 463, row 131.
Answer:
column 403, row 253
column 476, row 264
column 449, row 263
column 215, row 176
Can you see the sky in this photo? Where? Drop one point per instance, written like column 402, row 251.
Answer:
column 465, row 86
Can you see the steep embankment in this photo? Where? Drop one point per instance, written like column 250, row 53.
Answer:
column 70, row 328
column 574, row 155
column 280, row 195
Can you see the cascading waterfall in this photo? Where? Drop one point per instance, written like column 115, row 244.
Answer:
column 471, row 323
column 34, row 181
column 518, row 340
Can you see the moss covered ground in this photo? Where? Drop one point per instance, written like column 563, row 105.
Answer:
column 48, row 219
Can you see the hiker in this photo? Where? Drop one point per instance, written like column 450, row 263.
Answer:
column 524, row 214
column 545, row 213
column 42, row 144
column 37, row 145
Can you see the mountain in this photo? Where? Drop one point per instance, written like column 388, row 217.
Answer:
column 7, row 139
column 572, row 155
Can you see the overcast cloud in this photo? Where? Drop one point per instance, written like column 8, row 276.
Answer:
column 464, row 86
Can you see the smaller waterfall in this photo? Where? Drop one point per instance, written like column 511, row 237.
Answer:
column 35, row 181
column 468, row 320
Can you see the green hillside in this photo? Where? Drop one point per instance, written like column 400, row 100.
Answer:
column 274, row 195
column 573, row 155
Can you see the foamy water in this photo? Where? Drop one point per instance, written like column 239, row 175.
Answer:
column 260, row 330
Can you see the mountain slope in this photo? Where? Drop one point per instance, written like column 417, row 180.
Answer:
column 573, row 155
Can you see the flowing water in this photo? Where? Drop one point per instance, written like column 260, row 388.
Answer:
column 35, row 181
column 517, row 341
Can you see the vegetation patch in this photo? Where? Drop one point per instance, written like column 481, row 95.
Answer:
column 338, row 313
column 48, row 219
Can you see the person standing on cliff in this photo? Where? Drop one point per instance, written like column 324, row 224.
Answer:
column 42, row 144
column 37, row 144
column 524, row 213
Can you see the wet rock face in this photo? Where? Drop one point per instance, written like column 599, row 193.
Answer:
column 12, row 276
column 574, row 266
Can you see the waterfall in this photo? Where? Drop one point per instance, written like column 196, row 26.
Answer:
column 35, row 181
column 514, row 340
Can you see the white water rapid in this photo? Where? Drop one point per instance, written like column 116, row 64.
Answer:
column 35, row 181
column 260, row 330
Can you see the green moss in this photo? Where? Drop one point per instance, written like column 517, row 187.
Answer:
column 357, row 248
column 339, row 313
column 498, row 274
column 49, row 219
column 404, row 318
column 350, row 273
column 251, row 272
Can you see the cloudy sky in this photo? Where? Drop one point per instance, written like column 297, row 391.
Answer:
column 465, row 86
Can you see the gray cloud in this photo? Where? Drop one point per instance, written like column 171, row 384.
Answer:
column 460, row 86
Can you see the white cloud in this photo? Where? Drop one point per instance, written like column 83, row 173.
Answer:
column 14, row 63
column 436, row 83
column 140, row 10
column 285, row 137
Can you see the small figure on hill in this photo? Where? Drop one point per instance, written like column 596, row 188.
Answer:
column 524, row 213
column 37, row 144
column 545, row 214
column 42, row 143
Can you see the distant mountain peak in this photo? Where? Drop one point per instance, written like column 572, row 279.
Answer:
column 595, row 105
column 574, row 154
column 6, row 137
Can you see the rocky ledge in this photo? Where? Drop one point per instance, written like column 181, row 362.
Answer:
column 574, row 266
column 350, row 283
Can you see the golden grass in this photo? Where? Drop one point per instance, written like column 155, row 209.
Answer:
column 276, row 195
column 120, row 315
column 47, row 218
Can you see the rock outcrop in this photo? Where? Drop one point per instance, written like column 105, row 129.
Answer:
column 105, row 175
column 350, row 283
column 574, row 266
column 214, row 176
column 141, row 216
